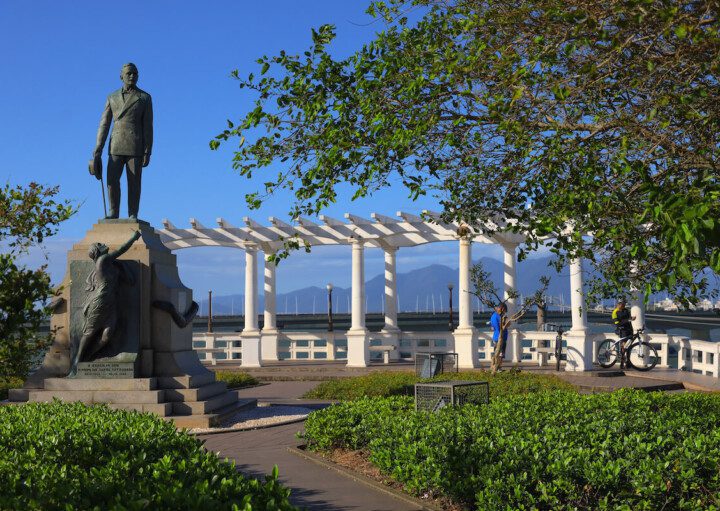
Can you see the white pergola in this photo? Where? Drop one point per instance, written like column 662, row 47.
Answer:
column 383, row 232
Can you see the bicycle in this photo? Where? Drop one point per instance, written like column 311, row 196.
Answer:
column 639, row 354
column 558, row 343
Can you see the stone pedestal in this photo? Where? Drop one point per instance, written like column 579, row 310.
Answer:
column 466, row 347
column 251, row 349
column 358, row 348
column 330, row 339
column 269, row 343
column 579, row 351
column 149, row 364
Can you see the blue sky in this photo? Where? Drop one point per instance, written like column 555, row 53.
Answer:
column 61, row 59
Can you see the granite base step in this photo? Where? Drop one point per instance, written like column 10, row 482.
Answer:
column 211, row 419
column 161, row 409
column 185, row 382
column 18, row 395
column 207, row 406
column 195, row 400
column 196, row 394
column 98, row 396
column 133, row 384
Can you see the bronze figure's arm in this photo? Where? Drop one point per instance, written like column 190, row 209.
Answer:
column 104, row 128
column 126, row 246
column 181, row 320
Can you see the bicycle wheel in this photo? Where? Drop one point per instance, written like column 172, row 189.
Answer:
column 607, row 355
column 642, row 356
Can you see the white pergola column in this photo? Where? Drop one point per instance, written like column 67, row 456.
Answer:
column 464, row 296
column 577, row 297
column 579, row 343
column 466, row 344
column 391, row 332
column 251, row 289
column 391, row 296
column 269, row 334
column 250, row 337
column 358, row 286
column 509, row 275
column 357, row 336
column 510, row 283
column 637, row 310
column 637, row 302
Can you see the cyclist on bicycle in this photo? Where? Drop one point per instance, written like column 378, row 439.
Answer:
column 622, row 320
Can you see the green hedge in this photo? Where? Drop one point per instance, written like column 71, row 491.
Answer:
column 394, row 383
column 236, row 380
column 61, row 456
column 627, row 450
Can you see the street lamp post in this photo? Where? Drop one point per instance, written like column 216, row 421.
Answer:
column 330, row 318
column 210, row 325
column 450, row 317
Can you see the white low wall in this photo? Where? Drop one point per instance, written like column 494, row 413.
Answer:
column 702, row 357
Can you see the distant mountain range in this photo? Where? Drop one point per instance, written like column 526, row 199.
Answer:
column 423, row 289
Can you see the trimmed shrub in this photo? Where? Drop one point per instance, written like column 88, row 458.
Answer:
column 236, row 380
column 379, row 384
column 394, row 383
column 550, row 450
column 61, row 456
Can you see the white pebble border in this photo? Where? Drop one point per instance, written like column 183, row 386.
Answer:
column 260, row 417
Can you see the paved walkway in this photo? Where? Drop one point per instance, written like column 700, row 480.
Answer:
column 313, row 486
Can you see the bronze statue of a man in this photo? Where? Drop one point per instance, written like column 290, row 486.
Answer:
column 130, row 146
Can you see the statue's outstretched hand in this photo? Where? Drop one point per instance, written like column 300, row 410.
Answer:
column 146, row 160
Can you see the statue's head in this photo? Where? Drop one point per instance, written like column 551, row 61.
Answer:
column 96, row 250
column 129, row 74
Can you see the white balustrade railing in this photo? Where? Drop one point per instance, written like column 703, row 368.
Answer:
column 312, row 346
column 701, row 357
column 694, row 355
column 411, row 342
column 218, row 346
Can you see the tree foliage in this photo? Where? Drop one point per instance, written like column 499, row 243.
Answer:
column 592, row 127
column 484, row 289
column 28, row 215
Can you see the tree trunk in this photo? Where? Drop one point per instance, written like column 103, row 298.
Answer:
column 541, row 309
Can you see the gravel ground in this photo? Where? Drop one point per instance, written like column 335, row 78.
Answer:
column 259, row 417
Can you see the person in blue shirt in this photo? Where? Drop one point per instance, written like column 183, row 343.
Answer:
column 499, row 323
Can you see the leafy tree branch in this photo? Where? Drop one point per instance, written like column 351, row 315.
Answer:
column 603, row 115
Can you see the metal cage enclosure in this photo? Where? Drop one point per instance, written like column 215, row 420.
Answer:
column 428, row 365
column 431, row 397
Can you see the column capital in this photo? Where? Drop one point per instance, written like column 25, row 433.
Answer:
column 357, row 243
column 250, row 248
column 508, row 246
column 390, row 249
column 267, row 257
